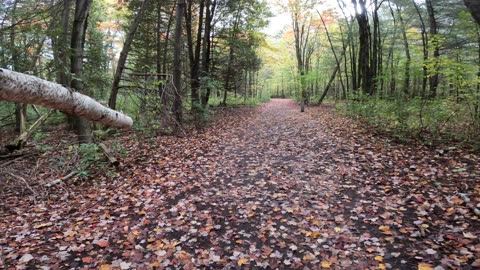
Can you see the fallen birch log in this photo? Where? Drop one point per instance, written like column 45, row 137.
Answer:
column 18, row 87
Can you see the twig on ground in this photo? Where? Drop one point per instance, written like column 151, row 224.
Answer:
column 59, row 180
column 24, row 181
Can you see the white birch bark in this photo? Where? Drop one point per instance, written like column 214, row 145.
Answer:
column 18, row 87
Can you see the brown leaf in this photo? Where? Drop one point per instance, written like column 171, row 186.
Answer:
column 102, row 243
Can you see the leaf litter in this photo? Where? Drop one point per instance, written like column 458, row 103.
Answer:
column 264, row 188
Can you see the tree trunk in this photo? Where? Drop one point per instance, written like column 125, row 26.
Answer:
column 210, row 11
column 332, row 78
column 20, row 117
column 177, row 64
column 425, row 48
column 112, row 102
column 167, row 39
column 194, row 53
column 376, row 52
column 333, row 51
column 164, row 98
column 406, row 80
column 21, row 140
column 62, row 77
column 434, row 80
column 82, row 8
column 345, row 67
column 390, row 56
column 158, row 48
column 365, row 73
column 17, row 87
column 474, row 8
column 20, row 108
column 227, row 80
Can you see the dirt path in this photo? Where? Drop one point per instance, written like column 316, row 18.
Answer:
column 265, row 188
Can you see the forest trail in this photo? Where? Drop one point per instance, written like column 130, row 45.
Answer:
column 269, row 188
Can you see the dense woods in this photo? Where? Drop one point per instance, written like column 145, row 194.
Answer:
column 411, row 67
column 167, row 58
column 239, row 134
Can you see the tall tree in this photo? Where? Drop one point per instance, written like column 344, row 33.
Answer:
column 82, row 9
column 177, row 64
column 406, row 80
column 112, row 102
column 206, row 49
column 365, row 75
column 424, row 47
column 301, row 22
column 194, row 50
column 434, row 79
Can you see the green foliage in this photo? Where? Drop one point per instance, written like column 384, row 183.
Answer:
column 429, row 120
column 38, row 136
column 201, row 115
column 88, row 155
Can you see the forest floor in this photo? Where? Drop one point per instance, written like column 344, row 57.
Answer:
column 260, row 188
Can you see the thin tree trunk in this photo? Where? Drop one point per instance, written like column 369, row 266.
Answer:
column 227, row 80
column 112, row 102
column 390, row 58
column 333, row 51
column 167, row 39
column 424, row 46
column 376, row 48
column 331, row 80
column 21, row 140
column 158, row 47
column 205, row 69
column 194, row 52
column 406, row 80
column 20, row 108
column 434, row 78
column 177, row 64
column 345, row 67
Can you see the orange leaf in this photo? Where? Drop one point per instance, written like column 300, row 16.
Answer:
column 105, row 267
column 378, row 258
column 87, row 259
column 325, row 264
column 102, row 243
column 308, row 257
column 424, row 266
column 242, row 261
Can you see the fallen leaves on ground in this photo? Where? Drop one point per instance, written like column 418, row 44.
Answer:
column 267, row 188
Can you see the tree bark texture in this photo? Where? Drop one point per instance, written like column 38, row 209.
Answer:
column 425, row 47
column 434, row 78
column 205, row 69
column 177, row 63
column 365, row 73
column 82, row 9
column 406, row 80
column 18, row 87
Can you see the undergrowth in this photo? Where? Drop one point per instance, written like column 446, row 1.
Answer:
column 430, row 121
